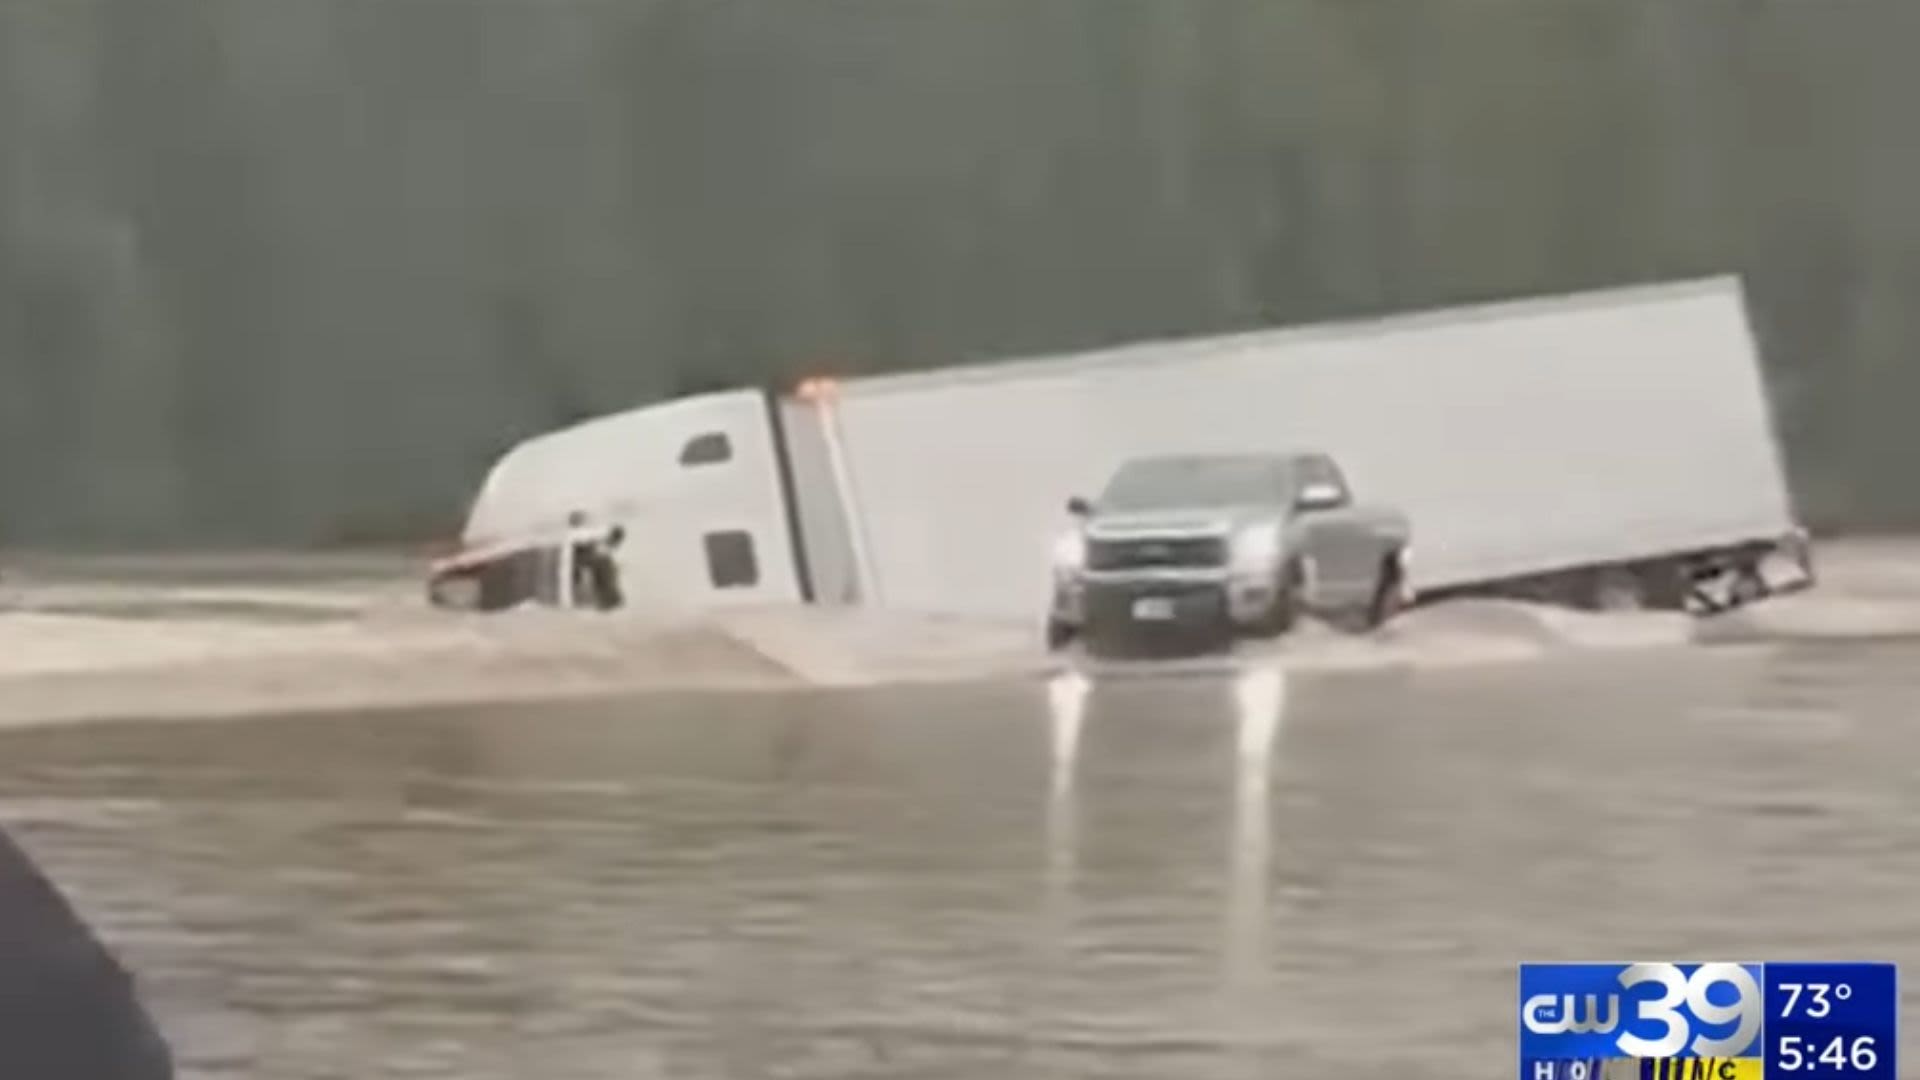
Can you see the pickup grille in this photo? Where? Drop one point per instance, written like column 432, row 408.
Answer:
column 1155, row 552
column 1110, row 604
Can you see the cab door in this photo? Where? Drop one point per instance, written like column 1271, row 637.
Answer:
column 704, row 507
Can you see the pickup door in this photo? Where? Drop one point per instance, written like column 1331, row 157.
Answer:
column 1344, row 546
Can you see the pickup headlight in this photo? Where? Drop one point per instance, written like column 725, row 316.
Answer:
column 1257, row 548
column 1070, row 552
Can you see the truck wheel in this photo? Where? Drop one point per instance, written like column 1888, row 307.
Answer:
column 1284, row 611
column 1059, row 635
column 1800, row 550
column 1748, row 585
column 458, row 591
column 1386, row 594
column 1614, row 588
column 1664, row 585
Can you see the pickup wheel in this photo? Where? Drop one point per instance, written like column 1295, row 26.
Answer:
column 1387, row 593
column 1284, row 611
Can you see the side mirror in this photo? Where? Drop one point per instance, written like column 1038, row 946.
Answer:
column 1079, row 507
column 1318, row 497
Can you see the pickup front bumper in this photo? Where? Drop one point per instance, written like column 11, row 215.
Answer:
column 1161, row 609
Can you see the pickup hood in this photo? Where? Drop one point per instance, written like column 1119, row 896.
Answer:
column 1128, row 526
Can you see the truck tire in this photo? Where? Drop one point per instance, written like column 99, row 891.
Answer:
column 1664, row 585
column 1387, row 595
column 460, row 592
column 1748, row 585
column 1799, row 548
column 1611, row 588
column 1284, row 611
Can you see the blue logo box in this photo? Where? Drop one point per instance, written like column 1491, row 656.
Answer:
column 1652, row 1010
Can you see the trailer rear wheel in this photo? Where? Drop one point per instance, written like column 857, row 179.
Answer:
column 1611, row 588
column 1799, row 548
column 1748, row 585
column 1664, row 585
column 1618, row 590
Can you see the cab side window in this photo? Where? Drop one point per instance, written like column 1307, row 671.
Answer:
column 711, row 448
column 1321, row 470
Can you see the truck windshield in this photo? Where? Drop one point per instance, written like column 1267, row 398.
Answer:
column 1181, row 483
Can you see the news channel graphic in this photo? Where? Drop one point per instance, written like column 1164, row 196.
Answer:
column 1709, row 1021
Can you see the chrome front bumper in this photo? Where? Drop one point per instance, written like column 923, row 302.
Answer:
column 1110, row 598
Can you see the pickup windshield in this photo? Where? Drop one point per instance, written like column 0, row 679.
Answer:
column 1196, row 483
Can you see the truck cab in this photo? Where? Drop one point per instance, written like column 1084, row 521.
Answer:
column 1219, row 546
column 694, row 486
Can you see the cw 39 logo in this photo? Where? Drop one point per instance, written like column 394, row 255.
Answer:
column 1664, row 1025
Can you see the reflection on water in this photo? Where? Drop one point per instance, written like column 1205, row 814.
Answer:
column 1259, row 699
column 1195, row 877
column 1066, row 710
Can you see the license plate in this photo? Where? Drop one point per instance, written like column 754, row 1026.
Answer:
column 1153, row 608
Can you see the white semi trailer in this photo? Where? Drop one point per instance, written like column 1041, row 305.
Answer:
column 1559, row 447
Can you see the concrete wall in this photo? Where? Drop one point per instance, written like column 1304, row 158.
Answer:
column 297, row 270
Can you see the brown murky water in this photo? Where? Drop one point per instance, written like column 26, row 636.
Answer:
column 1200, row 877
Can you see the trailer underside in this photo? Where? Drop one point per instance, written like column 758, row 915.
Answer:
column 1704, row 582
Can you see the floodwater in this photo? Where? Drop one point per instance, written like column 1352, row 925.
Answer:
column 1207, row 876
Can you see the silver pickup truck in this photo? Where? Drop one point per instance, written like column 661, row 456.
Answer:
column 1222, row 546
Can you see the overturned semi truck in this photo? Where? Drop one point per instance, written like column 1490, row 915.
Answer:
column 1612, row 447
